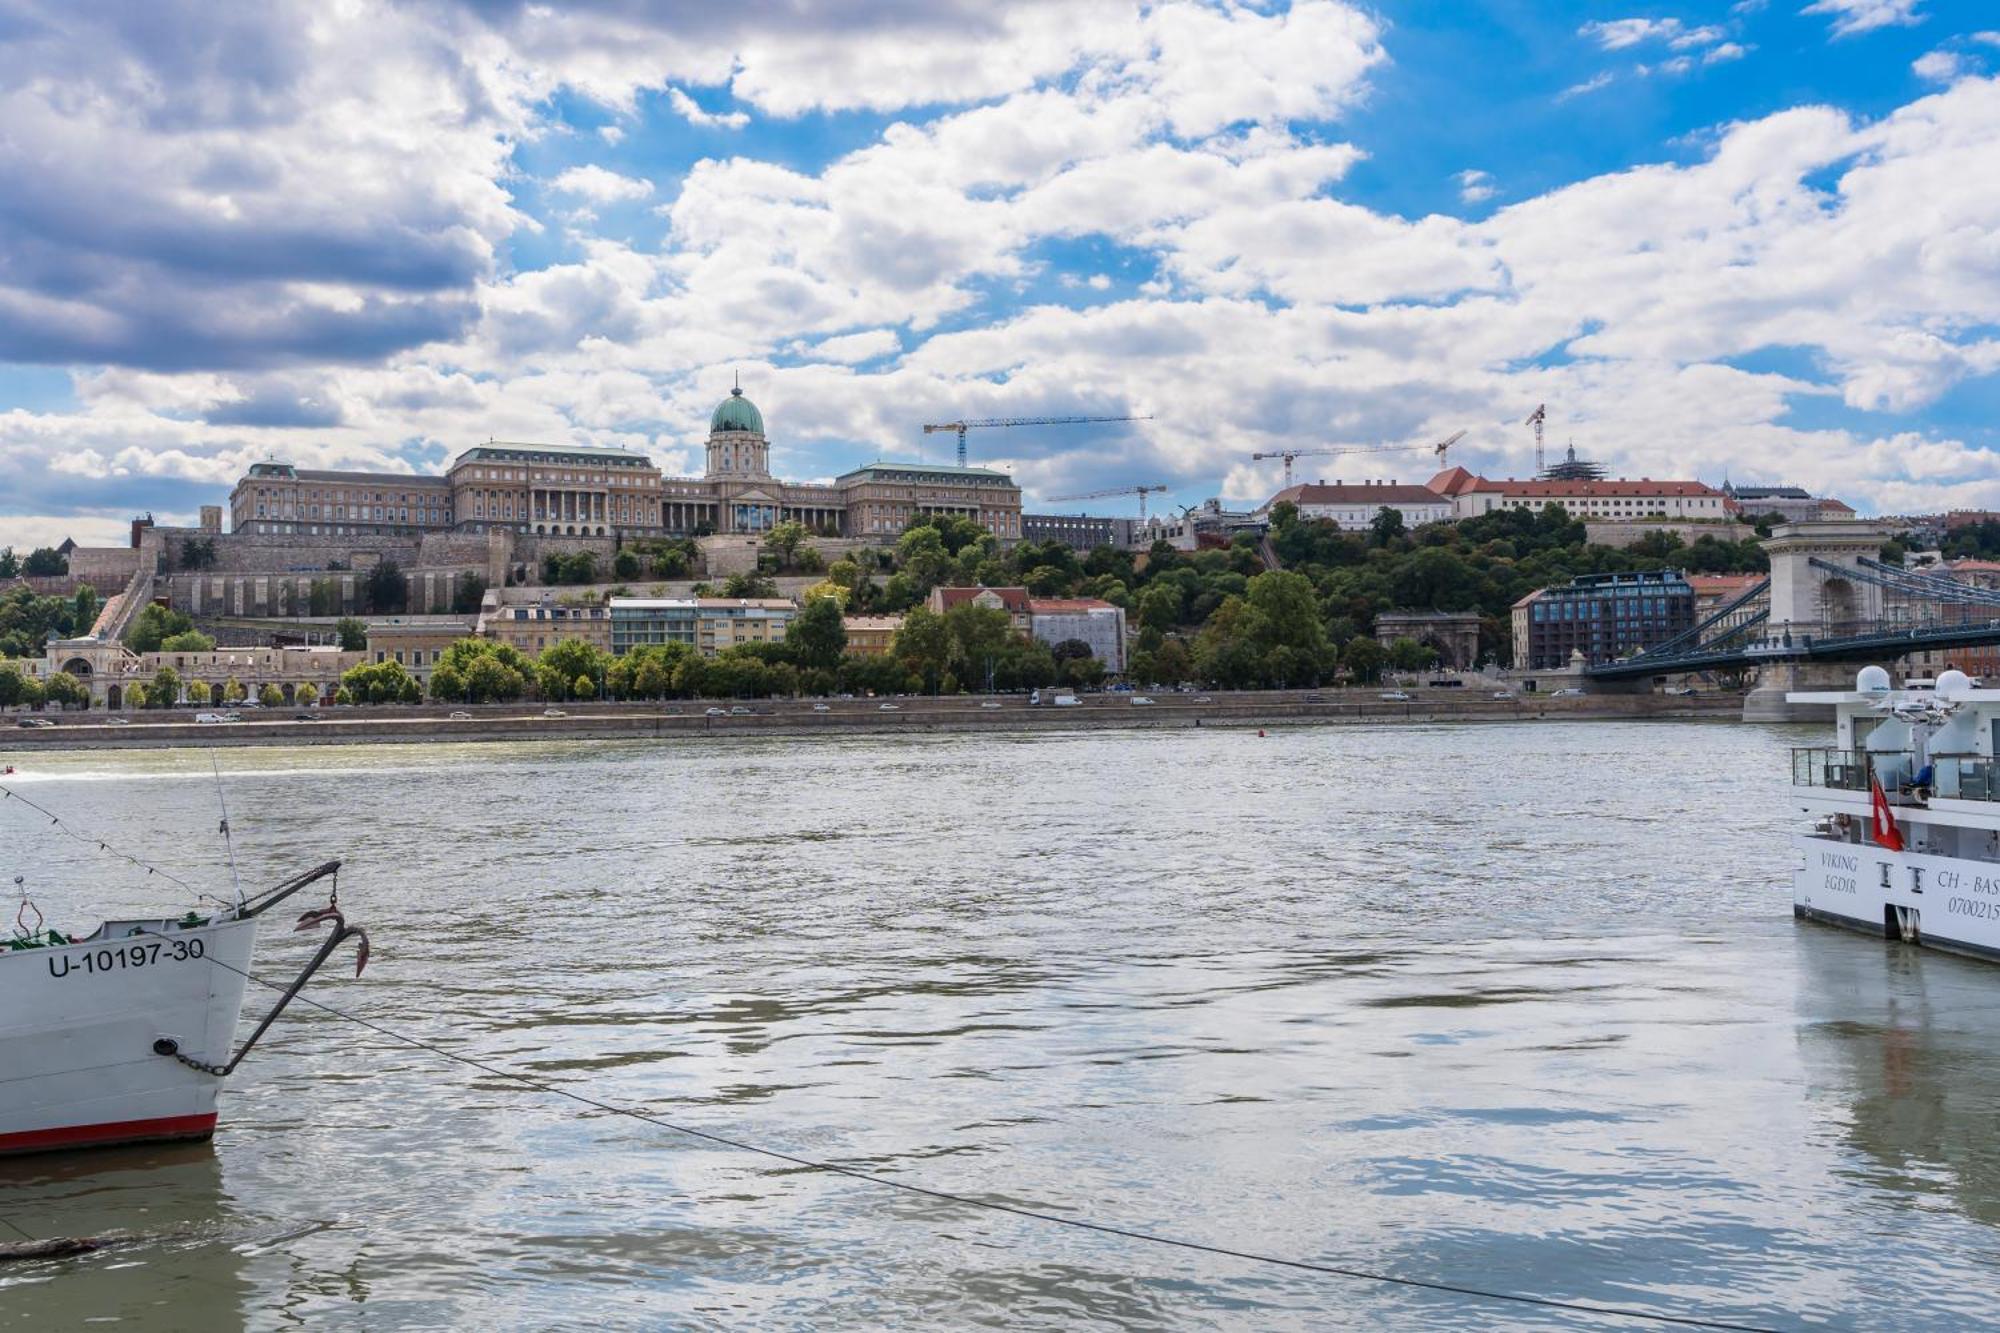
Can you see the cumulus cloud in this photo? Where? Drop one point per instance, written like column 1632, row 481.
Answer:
column 1941, row 66
column 600, row 186
column 863, row 295
column 690, row 111
column 1851, row 17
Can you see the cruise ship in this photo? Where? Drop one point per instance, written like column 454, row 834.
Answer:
column 1905, row 811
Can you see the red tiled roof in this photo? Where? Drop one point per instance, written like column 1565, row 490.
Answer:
column 1704, row 584
column 1387, row 493
column 1056, row 606
column 1014, row 599
column 1836, row 506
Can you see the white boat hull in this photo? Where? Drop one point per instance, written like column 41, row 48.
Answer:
column 1944, row 902
column 78, row 1024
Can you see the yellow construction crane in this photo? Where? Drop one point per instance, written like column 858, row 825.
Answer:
column 1141, row 491
column 1441, row 448
column 983, row 423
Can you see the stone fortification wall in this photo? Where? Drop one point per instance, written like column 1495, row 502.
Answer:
column 1625, row 534
column 105, row 568
column 283, row 552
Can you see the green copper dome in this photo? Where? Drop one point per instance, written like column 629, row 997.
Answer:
column 737, row 413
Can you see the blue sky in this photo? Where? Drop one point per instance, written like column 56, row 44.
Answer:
column 1752, row 239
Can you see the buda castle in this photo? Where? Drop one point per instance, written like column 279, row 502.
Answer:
column 580, row 491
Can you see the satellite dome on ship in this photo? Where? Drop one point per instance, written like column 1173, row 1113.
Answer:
column 737, row 413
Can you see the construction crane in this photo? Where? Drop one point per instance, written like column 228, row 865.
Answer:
column 1537, row 420
column 1442, row 449
column 983, row 423
column 1141, row 491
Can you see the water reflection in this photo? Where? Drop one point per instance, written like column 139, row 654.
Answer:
column 175, row 1240
column 1341, row 995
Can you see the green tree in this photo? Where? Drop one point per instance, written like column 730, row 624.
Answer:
column 565, row 663
column 671, row 563
column 10, row 564
column 980, row 637
column 816, row 636
column 84, row 606
column 1406, row 654
column 923, row 647
column 381, row 683
column 1363, row 659
column 625, row 564
column 165, row 691
column 1284, row 515
column 1160, row 607
column 45, row 562
column 321, row 598
column 385, row 591
column 1386, row 526
column 13, row 685
column 187, row 641
column 353, row 634
column 153, row 625
column 271, row 696
column 467, row 593
column 65, row 691
column 233, row 691
column 197, row 553
column 343, row 697
column 748, row 585
column 306, row 695
column 922, row 556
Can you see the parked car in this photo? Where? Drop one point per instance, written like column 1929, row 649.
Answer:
column 1139, row 700
column 822, row 708
column 554, row 712
column 717, row 712
column 1315, row 698
column 34, row 722
column 1685, row 691
column 1566, row 692
column 304, row 717
column 740, row 711
column 1396, row 696
column 1503, row 694
column 1067, row 701
column 889, row 708
column 117, row 721
column 460, row 716
column 212, row 717
column 989, row 703
column 1203, row 699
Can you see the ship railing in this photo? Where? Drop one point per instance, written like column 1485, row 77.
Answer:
column 1852, row 770
column 1967, row 777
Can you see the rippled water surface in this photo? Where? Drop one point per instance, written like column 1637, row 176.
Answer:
column 1517, row 1006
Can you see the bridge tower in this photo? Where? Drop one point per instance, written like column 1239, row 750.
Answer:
column 1809, row 601
column 1806, row 597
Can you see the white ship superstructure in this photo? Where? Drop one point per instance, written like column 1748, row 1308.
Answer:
column 1905, row 804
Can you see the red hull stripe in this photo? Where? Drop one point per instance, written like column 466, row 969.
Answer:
column 117, row 1131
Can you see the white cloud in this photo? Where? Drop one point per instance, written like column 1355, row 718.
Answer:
column 854, row 348
column 1858, row 16
column 690, row 111
column 1941, row 66
column 1589, row 85
column 611, row 134
column 1619, row 299
column 600, row 186
column 1618, row 34
column 1726, row 51
column 1707, row 35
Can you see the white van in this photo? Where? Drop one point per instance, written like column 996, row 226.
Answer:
column 1067, row 701
column 211, row 717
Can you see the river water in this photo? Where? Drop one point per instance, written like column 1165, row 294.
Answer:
column 1516, row 1006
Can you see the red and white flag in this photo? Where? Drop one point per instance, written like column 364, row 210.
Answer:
column 1886, row 832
